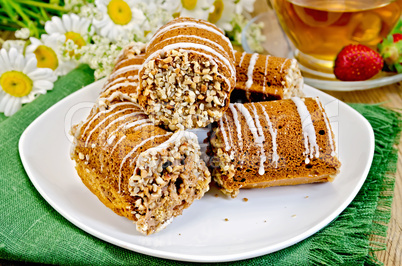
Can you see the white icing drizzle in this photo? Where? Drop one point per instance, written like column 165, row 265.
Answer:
column 258, row 139
column 230, row 134
column 138, row 122
column 263, row 157
column 121, row 84
column 123, row 117
column 249, row 120
column 121, row 62
column 175, row 138
column 134, row 150
column 184, row 45
column 124, row 70
column 118, row 95
column 112, row 107
column 181, row 24
column 283, row 64
column 327, row 125
column 111, row 139
column 108, row 83
column 250, row 70
column 225, row 138
column 265, row 73
column 237, row 124
column 242, row 58
column 275, row 156
column 202, row 39
column 138, row 127
column 118, row 142
column 129, row 124
column 103, row 121
column 310, row 140
column 127, row 59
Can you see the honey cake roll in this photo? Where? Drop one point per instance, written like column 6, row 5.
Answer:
column 274, row 143
column 264, row 77
column 135, row 168
column 188, row 74
column 123, row 81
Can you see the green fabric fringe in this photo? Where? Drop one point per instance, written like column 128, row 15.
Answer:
column 364, row 222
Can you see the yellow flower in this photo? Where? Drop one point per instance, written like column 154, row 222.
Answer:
column 119, row 18
column 21, row 81
column 73, row 27
column 16, row 83
column 119, row 12
column 49, row 54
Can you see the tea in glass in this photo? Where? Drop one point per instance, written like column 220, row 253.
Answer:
column 319, row 29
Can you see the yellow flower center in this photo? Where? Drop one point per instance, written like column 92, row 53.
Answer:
column 189, row 4
column 16, row 83
column 119, row 12
column 46, row 57
column 76, row 38
column 215, row 16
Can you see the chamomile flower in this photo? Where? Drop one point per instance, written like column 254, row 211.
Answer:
column 73, row 27
column 48, row 53
column 21, row 81
column 191, row 8
column 222, row 14
column 119, row 17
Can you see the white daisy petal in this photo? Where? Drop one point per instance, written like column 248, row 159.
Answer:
column 36, row 41
column 29, row 98
column 58, row 24
column 75, row 25
column 6, row 61
column 12, row 56
column 65, row 67
column 15, row 106
column 67, row 23
column 34, row 44
column 3, row 101
column 9, row 108
column 43, row 85
column 30, row 66
column 39, row 73
column 19, row 62
column 50, row 27
column 138, row 15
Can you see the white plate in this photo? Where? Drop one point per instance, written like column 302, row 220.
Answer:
column 277, row 43
column 271, row 219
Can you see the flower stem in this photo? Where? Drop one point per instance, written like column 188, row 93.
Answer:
column 41, row 4
column 25, row 18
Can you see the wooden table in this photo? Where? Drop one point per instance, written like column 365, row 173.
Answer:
column 390, row 96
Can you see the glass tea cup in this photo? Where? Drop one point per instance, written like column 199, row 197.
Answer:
column 319, row 29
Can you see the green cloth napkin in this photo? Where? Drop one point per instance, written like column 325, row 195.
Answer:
column 31, row 230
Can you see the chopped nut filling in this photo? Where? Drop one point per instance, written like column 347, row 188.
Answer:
column 182, row 91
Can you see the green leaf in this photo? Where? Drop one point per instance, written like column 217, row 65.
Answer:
column 398, row 27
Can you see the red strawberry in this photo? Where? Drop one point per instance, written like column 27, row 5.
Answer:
column 391, row 50
column 357, row 62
